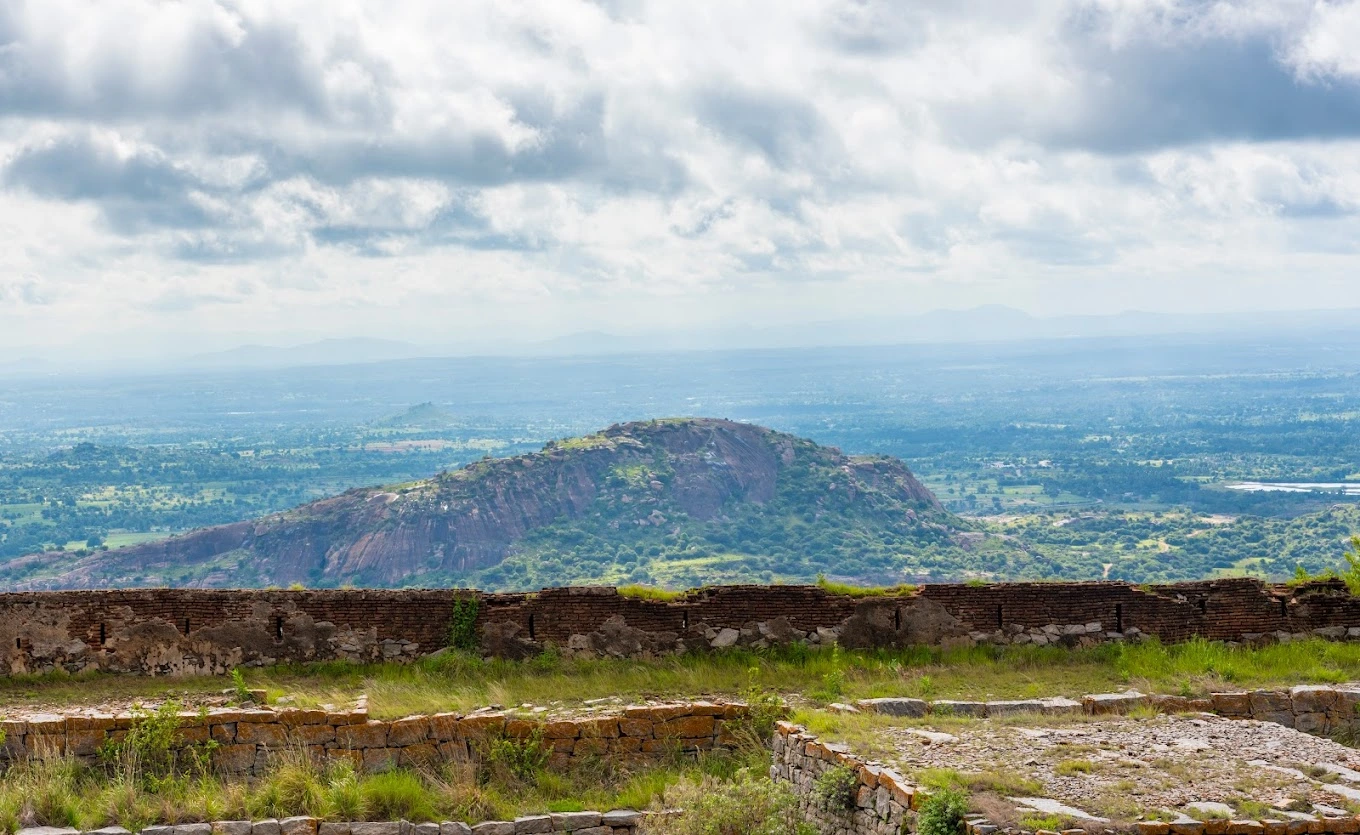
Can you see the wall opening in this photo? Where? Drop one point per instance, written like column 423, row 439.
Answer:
column 278, row 628
column 186, row 626
column 1000, row 618
column 1284, row 608
column 103, row 635
column 531, row 626
column 1203, row 605
column 897, row 619
column 684, row 620
column 17, row 645
column 1119, row 617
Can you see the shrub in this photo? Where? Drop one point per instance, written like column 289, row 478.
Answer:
column 765, row 708
column 463, row 624
column 750, row 804
column 835, row 789
column 516, row 759
column 153, row 753
column 942, row 813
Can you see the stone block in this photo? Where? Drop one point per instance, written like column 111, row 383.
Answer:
column 494, row 828
column 1009, row 707
column 454, row 828
column 298, row 825
column 895, row 706
column 1181, row 704
column 621, row 818
column 312, row 734
column 533, row 824
column 444, row 727
column 408, row 731
column 90, row 722
column 272, row 735
column 108, row 830
column 482, row 724
column 333, row 828
column 573, row 821
column 234, row 759
column 294, row 717
column 1231, row 704
column 604, row 728
column 52, row 830
column 561, row 730
column 1245, row 827
column 1105, row 703
column 85, row 743
column 269, row 826
column 425, row 829
column 375, row 828
column 1312, row 698
column 657, row 713
column 953, row 707
column 424, row 754
column 685, row 727
column 231, row 828
column 367, row 735
column 223, row 733
column 636, row 727
column 381, row 759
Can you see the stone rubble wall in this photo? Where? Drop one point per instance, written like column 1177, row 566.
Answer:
column 245, row 741
column 886, row 803
column 884, row 800
column 618, row 822
column 211, row 631
column 1321, row 710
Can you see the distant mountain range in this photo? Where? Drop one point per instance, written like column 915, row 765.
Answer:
column 988, row 323
column 679, row 501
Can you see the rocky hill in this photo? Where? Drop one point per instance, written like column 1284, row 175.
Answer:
column 682, row 501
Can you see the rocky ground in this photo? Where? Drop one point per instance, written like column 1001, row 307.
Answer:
column 1121, row 768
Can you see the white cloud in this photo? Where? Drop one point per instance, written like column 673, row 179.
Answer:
column 330, row 167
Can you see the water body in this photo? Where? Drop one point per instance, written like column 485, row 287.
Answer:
column 1348, row 488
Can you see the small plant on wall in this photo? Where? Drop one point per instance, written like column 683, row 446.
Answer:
column 835, row 789
column 463, row 624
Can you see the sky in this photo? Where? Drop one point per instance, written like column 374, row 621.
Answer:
column 192, row 175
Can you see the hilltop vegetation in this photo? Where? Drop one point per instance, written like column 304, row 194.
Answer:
column 1103, row 453
column 667, row 500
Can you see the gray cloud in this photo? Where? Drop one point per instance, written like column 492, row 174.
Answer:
column 579, row 148
column 135, row 192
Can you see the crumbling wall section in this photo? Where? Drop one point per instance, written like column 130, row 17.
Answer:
column 184, row 631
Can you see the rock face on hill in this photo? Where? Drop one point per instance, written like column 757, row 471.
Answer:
column 596, row 507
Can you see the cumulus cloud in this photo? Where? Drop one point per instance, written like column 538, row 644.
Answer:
column 588, row 158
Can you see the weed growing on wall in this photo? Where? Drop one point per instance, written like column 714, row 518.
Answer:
column 240, row 690
column 765, row 708
column 463, row 624
column 835, row 789
column 511, row 759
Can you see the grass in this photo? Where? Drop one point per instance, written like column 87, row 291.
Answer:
column 460, row 682
column 64, row 792
column 642, row 592
column 832, row 587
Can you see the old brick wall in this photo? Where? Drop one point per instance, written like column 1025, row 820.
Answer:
column 165, row 631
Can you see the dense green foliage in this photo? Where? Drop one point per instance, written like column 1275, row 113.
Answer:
column 1075, row 448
